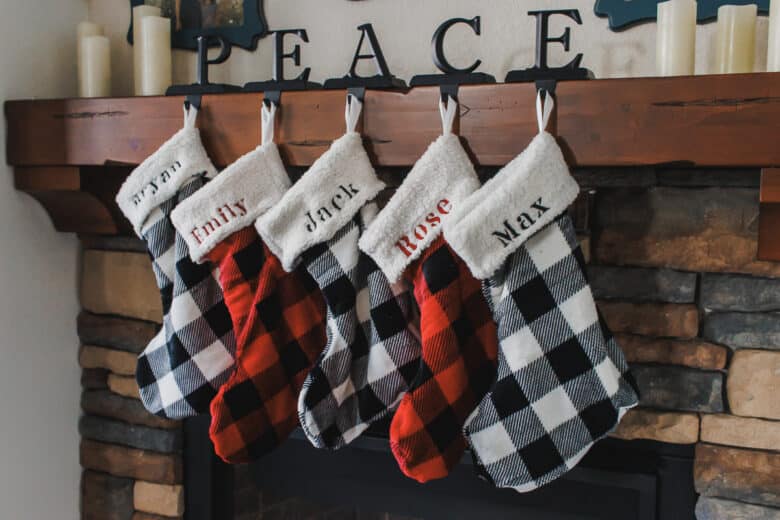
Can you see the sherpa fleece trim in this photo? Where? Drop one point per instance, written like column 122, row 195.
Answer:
column 234, row 200
column 526, row 195
column 323, row 201
column 160, row 176
column 413, row 218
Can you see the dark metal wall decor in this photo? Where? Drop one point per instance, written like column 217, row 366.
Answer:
column 279, row 82
column 239, row 22
column 202, row 84
column 624, row 13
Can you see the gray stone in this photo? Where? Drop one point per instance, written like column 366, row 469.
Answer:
column 644, row 285
column 105, row 497
column 679, row 388
column 728, row 292
column 131, row 435
column 104, row 403
column 615, row 177
column 708, row 508
column 689, row 177
column 94, row 378
column 740, row 330
column 119, row 333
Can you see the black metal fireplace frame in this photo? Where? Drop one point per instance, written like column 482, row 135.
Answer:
column 654, row 479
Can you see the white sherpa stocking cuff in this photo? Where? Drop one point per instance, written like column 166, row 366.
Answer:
column 526, row 195
column 323, row 201
column 234, row 200
column 440, row 180
column 160, row 176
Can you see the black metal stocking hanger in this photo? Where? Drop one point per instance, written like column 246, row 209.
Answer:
column 449, row 81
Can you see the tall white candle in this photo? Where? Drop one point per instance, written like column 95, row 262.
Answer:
column 83, row 30
column 773, row 50
column 736, row 38
column 139, row 13
column 676, row 39
column 156, row 59
column 95, row 78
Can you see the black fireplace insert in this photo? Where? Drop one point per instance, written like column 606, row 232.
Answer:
column 620, row 480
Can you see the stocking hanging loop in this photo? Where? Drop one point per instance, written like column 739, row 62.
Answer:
column 268, row 119
column 190, row 114
column 352, row 112
column 544, row 108
column 448, row 112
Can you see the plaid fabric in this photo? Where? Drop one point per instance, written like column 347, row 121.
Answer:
column 239, row 260
column 283, row 333
column 181, row 369
column 373, row 352
column 459, row 348
column 561, row 383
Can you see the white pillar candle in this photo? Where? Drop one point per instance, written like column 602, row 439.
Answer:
column 139, row 13
column 736, row 38
column 156, row 57
column 95, row 78
column 83, row 30
column 676, row 39
column 773, row 50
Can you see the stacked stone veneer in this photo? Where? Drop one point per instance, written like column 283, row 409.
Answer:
column 673, row 266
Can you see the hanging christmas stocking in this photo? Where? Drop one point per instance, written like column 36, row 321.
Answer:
column 458, row 334
column 278, row 316
column 562, row 381
column 371, row 353
column 180, row 370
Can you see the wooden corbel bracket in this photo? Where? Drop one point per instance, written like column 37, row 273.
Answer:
column 769, row 216
column 78, row 199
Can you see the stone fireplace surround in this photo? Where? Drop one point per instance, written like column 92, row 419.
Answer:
column 672, row 256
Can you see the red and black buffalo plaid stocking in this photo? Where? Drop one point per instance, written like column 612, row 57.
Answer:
column 278, row 316
column 458, row 334
column 563, row 382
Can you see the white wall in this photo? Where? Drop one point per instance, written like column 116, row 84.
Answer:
column 39, row 374
column 405, row 27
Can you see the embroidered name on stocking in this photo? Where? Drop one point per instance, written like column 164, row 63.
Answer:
column 408, row 243
column 525, row 220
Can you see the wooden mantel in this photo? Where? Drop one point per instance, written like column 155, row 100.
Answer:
column 72, row 154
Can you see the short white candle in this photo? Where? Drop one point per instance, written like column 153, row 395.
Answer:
column 83, row 30
column 95, row 78
column 773, row 50
column 156, row 58
column 139, row 13
column 736, row 38
column 676, row 39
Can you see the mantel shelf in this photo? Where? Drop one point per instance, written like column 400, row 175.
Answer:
column 72, row 154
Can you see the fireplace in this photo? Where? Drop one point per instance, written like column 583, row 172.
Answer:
column 621, row 480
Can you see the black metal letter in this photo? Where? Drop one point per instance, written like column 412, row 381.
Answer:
column 295, row 55
column 438, row 45
column 376, row 53
column 543, row 37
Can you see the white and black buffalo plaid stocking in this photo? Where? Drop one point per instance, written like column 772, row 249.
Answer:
column 180, row 370
column 562, row 381
column 371, row 352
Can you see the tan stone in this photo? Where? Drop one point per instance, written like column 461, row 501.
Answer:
column 129, row 462
column 753, row 384
column 124, row 386
column 652, row 319
column 584, row 241
column 690, row 353
column 139, row 515
column 116, row 361
column 672, row 427
column 739, row 474
column 120, row 283
column 708, row 252
column 740, row 431
column 158, row 499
